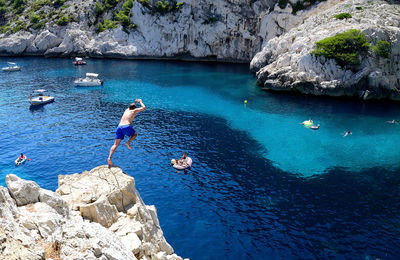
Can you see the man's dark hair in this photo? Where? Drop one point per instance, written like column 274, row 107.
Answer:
column 132, row 106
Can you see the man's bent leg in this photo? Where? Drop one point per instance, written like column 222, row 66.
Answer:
column 112, row 150
column 130, row 140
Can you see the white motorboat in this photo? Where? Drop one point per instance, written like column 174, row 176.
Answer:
column 79, row 61
column 11, row 67
column 38, row 98
column 90, row 80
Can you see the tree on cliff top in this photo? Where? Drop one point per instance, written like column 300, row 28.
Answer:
column 345, row 48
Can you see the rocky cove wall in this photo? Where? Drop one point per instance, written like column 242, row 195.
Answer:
column 97, row 214
column 286, row 63
column 222, row 30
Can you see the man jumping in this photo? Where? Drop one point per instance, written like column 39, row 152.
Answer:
column 125, row 128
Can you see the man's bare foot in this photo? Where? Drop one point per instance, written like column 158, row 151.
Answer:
column 129, row 146
column 109, row 162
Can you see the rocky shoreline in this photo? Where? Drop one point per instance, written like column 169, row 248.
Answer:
column 97, row 214
column 276, row 37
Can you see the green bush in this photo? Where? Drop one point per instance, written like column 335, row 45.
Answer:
column 58, row 3
column 297, row 7
column 122, row 18
column 2, row 3
column 127, row 6
column 3, row 11
column 63, row 21
column 4, row 29
column 163, row 7
column 98, row 9
column 107, row 25
column 111, row 3
column 179, row 5
column 145, row 3
column 359, row 8
column 34, row 18
column 342, row 16
column 345, row 47
column 382, row 48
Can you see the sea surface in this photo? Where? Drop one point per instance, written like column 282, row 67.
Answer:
column 262, row 186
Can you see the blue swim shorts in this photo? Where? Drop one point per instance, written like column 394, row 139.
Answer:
column 123, row 130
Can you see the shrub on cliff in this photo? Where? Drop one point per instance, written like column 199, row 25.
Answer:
column 98, row 9
column 3, row 11
column 63, row 21
column 107, row 25
column 122, row 18
column 111, row 3
column 382, row 48
column 164, row 7
column 342, row 16
column 345, row 47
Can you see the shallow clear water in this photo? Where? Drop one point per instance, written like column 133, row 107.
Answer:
column 261, row 186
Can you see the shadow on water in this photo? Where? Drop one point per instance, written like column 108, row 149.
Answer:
column 336, row 214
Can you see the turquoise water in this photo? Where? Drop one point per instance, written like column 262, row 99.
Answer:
column 261, row 183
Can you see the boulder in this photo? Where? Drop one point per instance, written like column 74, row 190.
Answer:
column 24, row 192
column 54, row 200
column 46, row 40
column 100, row 211
column 87, row 187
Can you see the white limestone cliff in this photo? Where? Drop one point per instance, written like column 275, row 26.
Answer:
column 285, row 63
column 94, row 215
column 236, row 33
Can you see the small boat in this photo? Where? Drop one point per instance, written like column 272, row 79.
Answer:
column 11, row 67
column 38, row 98
column 90, row 80
column 187, row 163
column 79, row 61
column 18, row 161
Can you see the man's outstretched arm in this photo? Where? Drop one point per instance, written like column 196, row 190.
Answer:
column 143, row 107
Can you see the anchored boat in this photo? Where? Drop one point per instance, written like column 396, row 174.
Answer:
column 11, row 67
column 38, row 98
column 90, row 80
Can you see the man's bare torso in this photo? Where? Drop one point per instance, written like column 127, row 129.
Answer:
column 128, row 117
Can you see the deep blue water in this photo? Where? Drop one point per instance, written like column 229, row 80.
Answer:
column 262, row 186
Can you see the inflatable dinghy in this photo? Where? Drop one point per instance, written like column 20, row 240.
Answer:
column 186, row 164
column 18, row 161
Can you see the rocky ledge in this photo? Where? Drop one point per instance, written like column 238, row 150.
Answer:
column 286, row 62
column 97, row 214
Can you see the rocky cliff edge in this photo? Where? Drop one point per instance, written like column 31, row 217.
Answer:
column 286, row 62
column 97, row 214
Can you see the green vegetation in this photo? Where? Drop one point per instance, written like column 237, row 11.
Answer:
column 179, row 5
column 382, row 48
column 359, row 8
column 342, row 16
column 111, row 3
column 145, row 3
column 164, row 7
column 58, row 3
column 62, row 21
column 99, row 10
column 345, row 47
column 107, row 25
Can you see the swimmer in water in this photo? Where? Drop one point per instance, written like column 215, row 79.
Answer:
column 347, row 133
